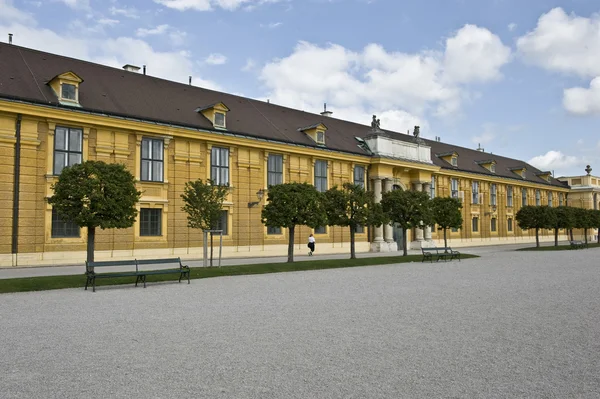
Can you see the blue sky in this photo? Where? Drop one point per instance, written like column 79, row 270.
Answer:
column 520, row 77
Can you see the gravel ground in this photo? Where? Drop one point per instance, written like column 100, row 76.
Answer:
column 508, row 325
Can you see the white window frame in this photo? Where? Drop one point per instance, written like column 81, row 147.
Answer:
column 475, row 192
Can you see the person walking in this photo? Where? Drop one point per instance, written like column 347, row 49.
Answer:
column 311, row 244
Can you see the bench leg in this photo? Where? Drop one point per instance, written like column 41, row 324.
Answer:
column 94, row 284
column 144, row 279
column 87, row 280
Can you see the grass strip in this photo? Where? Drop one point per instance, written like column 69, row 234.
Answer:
column 558, row 248
column 78, row 281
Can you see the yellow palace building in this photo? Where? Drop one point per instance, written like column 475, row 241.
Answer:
column 57, row 111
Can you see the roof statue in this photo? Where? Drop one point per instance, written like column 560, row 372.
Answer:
column 588, row 169
column 375, row 124
column 417, row 132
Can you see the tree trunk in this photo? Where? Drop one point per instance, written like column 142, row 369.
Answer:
column 445, row 239
column 556, row 237
column 404, row 250
column 537, row 238
column 291, row 245
column 211, row 249
column 598, row 236
column 90, row 243
column 585, row 234
column 352, row 249
column 571, row 234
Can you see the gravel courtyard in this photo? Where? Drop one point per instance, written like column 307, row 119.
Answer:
column 512, row 324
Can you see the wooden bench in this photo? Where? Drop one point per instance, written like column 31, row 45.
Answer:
column 440, row 253
column 183, row 270
column 578, row 244
column 140, row 275
column 92, row 275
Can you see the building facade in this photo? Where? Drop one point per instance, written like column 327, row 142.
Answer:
column 57, row 111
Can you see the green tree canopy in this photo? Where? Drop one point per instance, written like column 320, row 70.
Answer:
column 535, row 217
column 293, row 204
column 596, row 221
column 563, row 219
column 352, row 206
column 410, row 209
column 96, row 194
column 204, row 206
column 447, row 214
column 583, row 219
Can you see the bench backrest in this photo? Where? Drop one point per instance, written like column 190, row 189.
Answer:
column 89, row 266
column 429, row 249
column 158, row 261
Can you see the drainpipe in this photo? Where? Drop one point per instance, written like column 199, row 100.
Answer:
column 16, row 188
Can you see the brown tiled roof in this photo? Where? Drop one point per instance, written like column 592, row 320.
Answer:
column 24, row 74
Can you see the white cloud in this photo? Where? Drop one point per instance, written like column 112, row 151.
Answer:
column 12, row 14
column 564, row 43
column 170, row 64
column 77, row 4
column 216, row 59
column 207, row 5
column 512, row 26
column 128, row 12
column 159, row 30
column 554, row 160
column 487, row 135
column 583, row 101
column 271, row 25
column 358, row 84
column 108, row 21
column 249, row 66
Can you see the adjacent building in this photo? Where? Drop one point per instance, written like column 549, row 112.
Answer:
column 57, row 111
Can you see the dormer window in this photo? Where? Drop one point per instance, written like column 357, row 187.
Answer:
column 488, row 164
column 493, row 168
column 454, row 161
column 68, row 92
column 450, row 157
column 66, row 87
column 316, row 132
column 320, row 137
column 219, row 119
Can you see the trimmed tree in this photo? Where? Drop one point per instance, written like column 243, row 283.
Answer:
column 352, row 206
column 293, row 204
column 535, row 217
column 563, row 220
column 447, row 214
column 204, row 206
column 96, row 194
column 596, row 222
column 583, row 219
column 410, row 209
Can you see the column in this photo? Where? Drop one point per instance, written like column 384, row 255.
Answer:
column 388, row 230
column 378, row 236
column 427, row 188
column 418, row 232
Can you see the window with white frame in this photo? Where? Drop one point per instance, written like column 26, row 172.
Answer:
column 550, row 198
column 475, row 192
column 510, row 224
column 560, row 199
column 454, row 161
column 359, row 176
column 219, row 119
column 493, row 168
column 68, row 148
column 219, row 166
column 454, row 188
column 68, row 92
column 538, row 199
column 152, row 160
column 321, row 176
column 475, row 224
column 432, row 188
column 523, row 197
column 509, row 196
column 493, row 194
column 274, row 170
column 320, row 137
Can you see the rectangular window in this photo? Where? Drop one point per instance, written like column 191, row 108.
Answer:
column 321, row 230
column 509, row 196
column 523, row 197
column 360, row 229
column 432, row 188
column 475, row 224
column 222, row 224
column 273, row 230
column 454, row 188
column 274, row 170
column 475, row 192
column 560, row 199
column 493, row 191
column 219, row 119
column 454, row 161
column 320, row 137
column 321, row 176
column 219, row 166
column 68, row 92
column 359, row 176
column 68, row 148
column 510, row 225
column 454, row 230
column 538, row 199
column 549, row 198
column 493, row 168
column 150, row 222
column 493, row 224
column 152, row 159
column 62, row 228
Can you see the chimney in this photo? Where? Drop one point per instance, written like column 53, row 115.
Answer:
column 144, row 69
column 479, row 148
column 10, row 35
column 190, row 80
column 131, row 68
column 325, row 112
